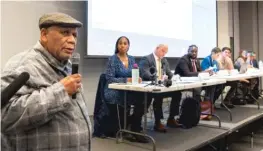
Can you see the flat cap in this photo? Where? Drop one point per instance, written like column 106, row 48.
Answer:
column 58, row 19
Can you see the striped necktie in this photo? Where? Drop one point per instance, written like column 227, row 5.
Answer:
column 194, row 66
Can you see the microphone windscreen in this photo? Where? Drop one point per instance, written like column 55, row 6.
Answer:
column 160, row 82
column 75, row 60
column 152, row 70
column 12, row 88
column 167, row 82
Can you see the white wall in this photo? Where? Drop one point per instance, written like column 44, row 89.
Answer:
column 20, row 31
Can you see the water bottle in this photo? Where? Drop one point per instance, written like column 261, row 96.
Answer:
column 135, row 74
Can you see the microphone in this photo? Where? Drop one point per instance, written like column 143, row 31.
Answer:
column 153, row 73
column 153, row 76
column 153, row 70
column 13, row 87
column 75, row 59
column 167, row 82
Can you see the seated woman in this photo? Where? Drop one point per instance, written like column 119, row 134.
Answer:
column 243, row 61
column 119, row 71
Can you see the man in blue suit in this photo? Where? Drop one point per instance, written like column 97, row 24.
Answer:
column 210, row 62
column 253, row 60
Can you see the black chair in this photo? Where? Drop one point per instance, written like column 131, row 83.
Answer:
column 102, row 116
column 100, row 109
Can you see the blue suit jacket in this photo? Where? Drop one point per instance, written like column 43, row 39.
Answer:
column 208, row 62
column 255, row 63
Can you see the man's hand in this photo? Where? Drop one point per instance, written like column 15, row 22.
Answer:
column 129, row 80
column 72, row 83
column 210, row 71
column 140, row 80
column 244, row 80
column 249, row 66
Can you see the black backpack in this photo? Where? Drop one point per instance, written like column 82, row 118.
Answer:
column 190, row 112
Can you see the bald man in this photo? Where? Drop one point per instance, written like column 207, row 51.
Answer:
column 157, row 60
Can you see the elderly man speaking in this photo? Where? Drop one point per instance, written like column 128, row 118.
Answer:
column 42, row 115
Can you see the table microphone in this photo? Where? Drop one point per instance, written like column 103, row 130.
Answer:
column 75, row 59
column 153, row 76
column 13, row 87
column 153, row 70
column 167, row 83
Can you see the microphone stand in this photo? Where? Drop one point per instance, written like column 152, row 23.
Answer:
column 154, row 77
column 154, row 82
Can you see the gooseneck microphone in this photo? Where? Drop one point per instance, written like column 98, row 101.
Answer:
column 75, row 60
column 167, row 83
column 153, row 75
column 12, row 88
column 153, row 71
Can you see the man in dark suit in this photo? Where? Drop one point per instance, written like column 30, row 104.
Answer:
column 189, row 66
column 253, row 60
column 156, row 60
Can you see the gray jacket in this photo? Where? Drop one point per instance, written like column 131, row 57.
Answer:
column 42, row 116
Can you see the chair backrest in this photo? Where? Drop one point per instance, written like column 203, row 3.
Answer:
column 99, row 100
column 102, row 83
column 100, row 109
